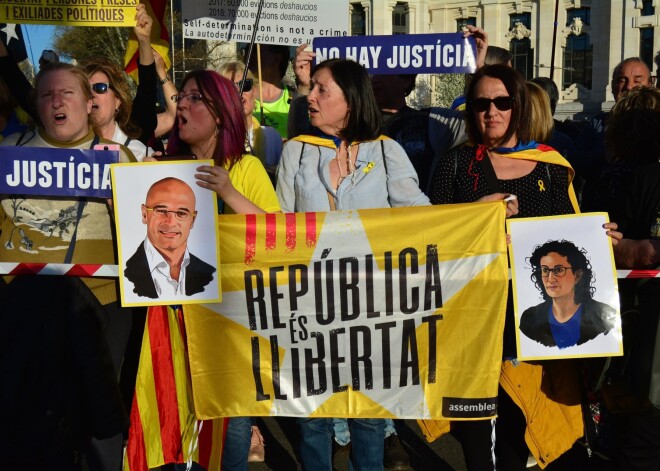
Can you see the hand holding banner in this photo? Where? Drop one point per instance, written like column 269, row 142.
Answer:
column 336, row 315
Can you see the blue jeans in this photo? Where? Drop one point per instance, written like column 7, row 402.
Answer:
column 343, row 435
column 237, row 444
column 367, row 435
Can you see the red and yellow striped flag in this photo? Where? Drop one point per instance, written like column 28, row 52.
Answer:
column 163, row 424
column 160, row 39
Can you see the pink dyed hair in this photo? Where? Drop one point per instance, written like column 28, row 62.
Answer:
column 224, row 103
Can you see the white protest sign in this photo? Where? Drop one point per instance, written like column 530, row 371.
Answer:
column 288, row 22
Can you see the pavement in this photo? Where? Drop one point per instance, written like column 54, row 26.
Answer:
column 281, row 437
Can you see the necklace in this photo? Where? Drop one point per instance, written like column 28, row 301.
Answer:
column 350, row 165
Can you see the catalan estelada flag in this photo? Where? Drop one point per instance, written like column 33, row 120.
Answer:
column 394, row 312
column 160, row 39
column 163, row 424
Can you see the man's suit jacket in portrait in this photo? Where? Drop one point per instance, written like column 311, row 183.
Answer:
column 198, row 275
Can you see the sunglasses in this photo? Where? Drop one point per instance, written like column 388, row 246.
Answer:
column 502, row 103
column 101, row 87
column 247, row 85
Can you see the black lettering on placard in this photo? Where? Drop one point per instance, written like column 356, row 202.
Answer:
column 349, row 288
column 274, row 296
column 335, row 360
column 252, row 298
column 318, row 361
column 403, row 281
column 256, row 370
column 275, row 363
column 409, row 354
column 363, row 357
column 385, row 349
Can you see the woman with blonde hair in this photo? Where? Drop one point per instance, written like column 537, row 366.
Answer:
column 261, row 141
column 542, row 124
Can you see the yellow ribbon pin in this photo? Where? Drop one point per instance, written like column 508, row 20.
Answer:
column 541, row 185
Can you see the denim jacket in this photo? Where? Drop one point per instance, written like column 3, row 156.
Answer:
column 383, row 177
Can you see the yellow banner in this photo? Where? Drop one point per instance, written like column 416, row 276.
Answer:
column 69, row 12
column 374, row 313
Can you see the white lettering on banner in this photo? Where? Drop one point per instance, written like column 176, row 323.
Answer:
column 429, row 55
column 72, row 174
column 415, row 56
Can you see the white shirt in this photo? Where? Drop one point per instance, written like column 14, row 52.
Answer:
column 140, row 151
column 166, row 286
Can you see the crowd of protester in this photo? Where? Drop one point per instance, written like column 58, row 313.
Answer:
column 68, row 347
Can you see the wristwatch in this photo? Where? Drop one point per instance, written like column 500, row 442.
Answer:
column 165, row 80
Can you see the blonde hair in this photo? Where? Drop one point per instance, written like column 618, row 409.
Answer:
column 541, row 124
column 235, row 70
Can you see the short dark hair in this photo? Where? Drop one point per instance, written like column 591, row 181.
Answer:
column 498, row 55
column 584, row 288
column 550, row 88
column 364, row 120
column 271, row 49
column 516, row 86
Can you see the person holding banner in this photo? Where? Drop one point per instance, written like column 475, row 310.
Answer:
column 210, row 124
column 82, row 384
column 115, row 115
column 346, row 164
column 503, row 159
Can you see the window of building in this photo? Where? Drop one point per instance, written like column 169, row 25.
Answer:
column 462, row 22
column 358, row 20
column 578, row 53
column 646, row 46
column 400, row 18
column 521, row 49
column 648, row 8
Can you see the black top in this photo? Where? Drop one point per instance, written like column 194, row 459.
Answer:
column 597, row 318
column 459, row 178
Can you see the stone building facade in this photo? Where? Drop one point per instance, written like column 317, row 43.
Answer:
column 592, row 36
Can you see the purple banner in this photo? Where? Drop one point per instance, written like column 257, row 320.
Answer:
column 56, row 172
column 403, row 53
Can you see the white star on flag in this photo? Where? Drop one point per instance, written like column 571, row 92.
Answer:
column 10, row 32
column 455, row 275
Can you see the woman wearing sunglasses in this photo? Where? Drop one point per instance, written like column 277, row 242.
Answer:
column 502, row 159
column 115, row 116
column 262, row 141
column 569, row 315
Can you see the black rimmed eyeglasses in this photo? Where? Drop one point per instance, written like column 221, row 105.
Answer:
column 502, row 103
column 557, row 271
column 180, row 214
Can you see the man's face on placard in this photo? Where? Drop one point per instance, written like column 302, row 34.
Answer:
column 169, row 213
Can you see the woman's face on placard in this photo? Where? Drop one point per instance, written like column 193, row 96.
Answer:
column 556, row 285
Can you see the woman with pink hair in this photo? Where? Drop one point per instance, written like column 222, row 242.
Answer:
column 210, row 124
